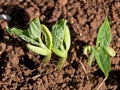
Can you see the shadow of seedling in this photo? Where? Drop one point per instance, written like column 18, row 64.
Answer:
column 29, row 63
column 19, row 17
column 114, row 79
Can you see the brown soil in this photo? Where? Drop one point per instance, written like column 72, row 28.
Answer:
column 21, row 69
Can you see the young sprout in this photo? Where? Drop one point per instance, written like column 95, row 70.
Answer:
column 61, row 41
column 102, row 51
column 33, row 38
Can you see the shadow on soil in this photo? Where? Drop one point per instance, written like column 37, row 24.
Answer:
column 114, row 79
column 19, row 17
column 29, row 63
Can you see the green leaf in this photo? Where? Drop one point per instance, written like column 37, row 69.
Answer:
column 57, row 35
column 62, row 22
column 34, row 30
column 87, row 50
column 22, row 34
column 111, row 51
column 103, row 60
column 104, row 34
column 90, row 59
column 38, row 50
column 48, row 36
column 58, row 52
column 47, row 58
column 67, row 38
column 61, row 62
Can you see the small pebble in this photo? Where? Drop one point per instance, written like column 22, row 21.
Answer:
column 5, row 17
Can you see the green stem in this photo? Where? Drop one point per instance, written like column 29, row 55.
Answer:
column 61, row 62
column 90, row 59
column 47, row 58
column 41, row 44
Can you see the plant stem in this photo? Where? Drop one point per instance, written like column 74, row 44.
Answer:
column 90, row 59
column 47, row 58
column 61, row 62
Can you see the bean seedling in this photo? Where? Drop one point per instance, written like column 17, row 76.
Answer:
column 61, row 41
column 58, row 42
column 33, row 36
column 102, row 51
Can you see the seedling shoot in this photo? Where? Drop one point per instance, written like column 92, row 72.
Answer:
column 102, row 52
column 33, row 38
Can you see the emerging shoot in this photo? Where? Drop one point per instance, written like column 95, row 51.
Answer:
column 33, row 38
column 61, row 41
column 102, row 52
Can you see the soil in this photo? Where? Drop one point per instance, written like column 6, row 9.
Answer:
column 21, row 69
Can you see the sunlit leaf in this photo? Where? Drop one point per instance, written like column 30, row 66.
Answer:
column 104, row 34
column 23, row 35
column 111, row 51
column 34, row 30
column 103, row 60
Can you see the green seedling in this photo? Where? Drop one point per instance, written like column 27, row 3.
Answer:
column 61, row 41
column 33, row 37
column 102, row 52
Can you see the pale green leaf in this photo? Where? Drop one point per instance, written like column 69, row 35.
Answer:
column 34, row 29
column 22, row 34
column 67, row 38
column 38, row 50
column 111, row 51
column 47, row 58
column 57, row 35
column 87, row 50
column 90, row 59
column 61, row 62
column 58, row 52
column 48, row 36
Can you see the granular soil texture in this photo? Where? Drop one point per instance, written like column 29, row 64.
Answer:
column 21, row 69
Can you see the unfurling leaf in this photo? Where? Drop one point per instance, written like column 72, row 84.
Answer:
column 48, row 36
column 111, row 51
column 87, row 50
column 67, row 38
column 57, row 35
column 61, row 40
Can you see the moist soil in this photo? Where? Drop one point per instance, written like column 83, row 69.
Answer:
column 21, row 69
